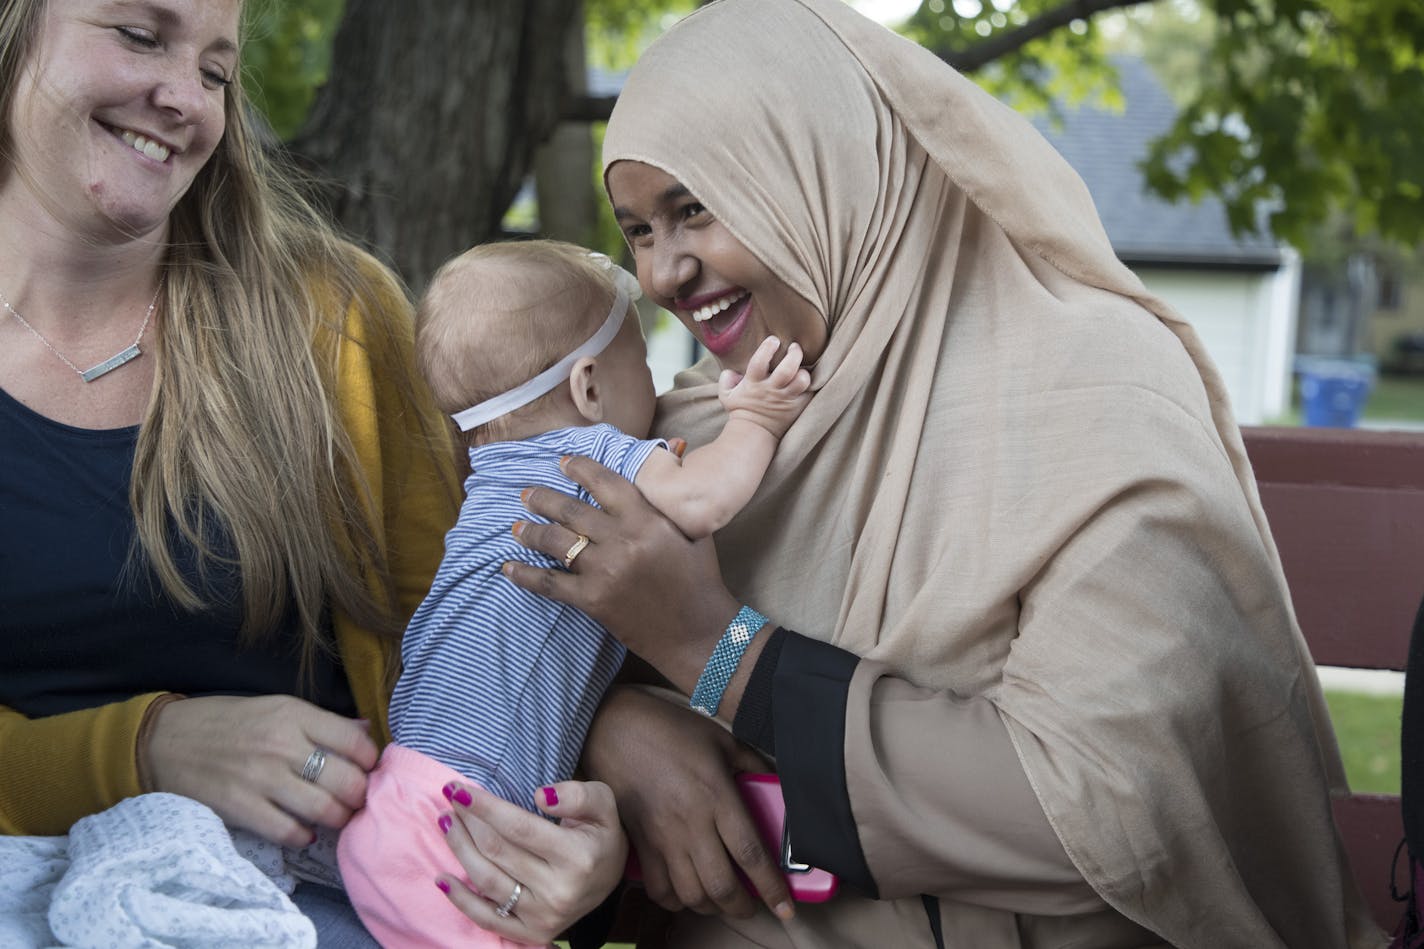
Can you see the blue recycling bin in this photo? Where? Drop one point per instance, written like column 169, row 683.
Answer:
column 1333, row 392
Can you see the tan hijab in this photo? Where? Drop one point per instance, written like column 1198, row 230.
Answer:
column 1019, row 476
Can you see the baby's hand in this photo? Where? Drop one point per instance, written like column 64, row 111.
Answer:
column 772, row 398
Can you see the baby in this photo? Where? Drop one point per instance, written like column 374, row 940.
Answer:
column 499, row 685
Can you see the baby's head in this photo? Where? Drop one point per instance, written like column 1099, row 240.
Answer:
column 500, row 315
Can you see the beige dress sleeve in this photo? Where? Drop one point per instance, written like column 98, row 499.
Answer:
column 962, row 823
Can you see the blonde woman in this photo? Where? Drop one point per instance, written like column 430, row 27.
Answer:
column 222, row 491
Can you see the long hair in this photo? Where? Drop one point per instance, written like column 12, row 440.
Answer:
column 243, row 436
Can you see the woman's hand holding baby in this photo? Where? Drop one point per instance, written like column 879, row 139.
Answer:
column 771, row 397
column 659, row 593
column 563, row 870
column 244, row 757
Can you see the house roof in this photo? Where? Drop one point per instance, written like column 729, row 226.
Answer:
column 1105, row 148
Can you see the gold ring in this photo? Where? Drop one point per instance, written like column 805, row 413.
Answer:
column 574, row 551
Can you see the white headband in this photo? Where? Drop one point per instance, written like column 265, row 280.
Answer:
column 627, row 290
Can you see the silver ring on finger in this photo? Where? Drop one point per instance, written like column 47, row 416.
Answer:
column 315, row 762
column 506, row 909
column 574, row 550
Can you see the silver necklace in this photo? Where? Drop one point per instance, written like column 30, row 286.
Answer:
column 126, row 355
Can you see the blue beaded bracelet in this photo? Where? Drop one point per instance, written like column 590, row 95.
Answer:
column 726, row 655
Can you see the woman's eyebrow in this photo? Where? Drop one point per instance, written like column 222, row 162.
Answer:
column 671, row 194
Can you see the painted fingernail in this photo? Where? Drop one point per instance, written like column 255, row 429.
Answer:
column 524, row 496
column 444, row 887
column 462, row 797
column 448, row 790
column 551, row 797
column 784, row 911
column 444, row 823
column 517, row 528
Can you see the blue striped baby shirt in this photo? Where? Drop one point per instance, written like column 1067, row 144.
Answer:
column 497, row 682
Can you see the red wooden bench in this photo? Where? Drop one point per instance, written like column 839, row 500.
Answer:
column 1347, row 511
column 1346, row 508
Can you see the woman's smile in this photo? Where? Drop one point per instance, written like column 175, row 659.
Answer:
column 147, row 145
column 718, row 324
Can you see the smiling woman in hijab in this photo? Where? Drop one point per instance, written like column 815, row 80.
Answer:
column 1047, row 688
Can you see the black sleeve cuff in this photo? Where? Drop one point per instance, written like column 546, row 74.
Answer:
column 811, row 684
column 755, row 716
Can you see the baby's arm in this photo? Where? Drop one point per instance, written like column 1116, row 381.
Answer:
column 703, row 490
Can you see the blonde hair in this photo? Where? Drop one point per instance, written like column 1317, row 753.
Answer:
column 243, row 430
column 499, row 314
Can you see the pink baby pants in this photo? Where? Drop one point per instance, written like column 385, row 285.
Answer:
column 392, row 850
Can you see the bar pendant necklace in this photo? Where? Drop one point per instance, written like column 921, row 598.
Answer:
column 126, row 355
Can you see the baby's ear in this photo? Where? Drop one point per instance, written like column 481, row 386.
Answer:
column 583, row 389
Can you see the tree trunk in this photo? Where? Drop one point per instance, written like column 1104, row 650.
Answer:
column 563, row 165
column 429, row 122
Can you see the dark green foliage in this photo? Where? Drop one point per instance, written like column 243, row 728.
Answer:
column 1322, row 97
column 287, row 55
column 1293, row 111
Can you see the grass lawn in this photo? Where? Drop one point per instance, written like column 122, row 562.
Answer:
column 1397, row 397
column 1392, row 399
column 1367, row 727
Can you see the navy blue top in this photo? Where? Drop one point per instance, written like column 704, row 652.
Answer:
column 82, row 623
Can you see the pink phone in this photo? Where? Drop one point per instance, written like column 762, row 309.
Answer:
column 762, row 794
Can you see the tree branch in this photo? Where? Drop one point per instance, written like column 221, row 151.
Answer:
column 583, row 108
column 981, row 54
column 587, row 108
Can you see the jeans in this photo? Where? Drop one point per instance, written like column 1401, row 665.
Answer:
column 337, row 925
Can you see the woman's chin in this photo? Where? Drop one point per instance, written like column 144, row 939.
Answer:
column 135, row 220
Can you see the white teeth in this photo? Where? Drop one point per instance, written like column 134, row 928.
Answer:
column 705, row 313
column 149, row 147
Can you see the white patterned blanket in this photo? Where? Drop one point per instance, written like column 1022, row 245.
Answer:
column 153, row 872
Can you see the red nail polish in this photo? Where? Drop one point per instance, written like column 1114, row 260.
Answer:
column 444, row 887
column 551, row 797
column 462, row 797
column 448, row 790
column 444, row 823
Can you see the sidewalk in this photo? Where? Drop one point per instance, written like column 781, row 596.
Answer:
column 1367, row 681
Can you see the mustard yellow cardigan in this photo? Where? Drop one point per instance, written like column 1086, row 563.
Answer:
column 56, row 770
